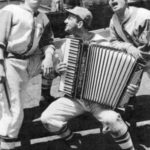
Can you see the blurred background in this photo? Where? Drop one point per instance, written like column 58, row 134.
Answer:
column 55, row 10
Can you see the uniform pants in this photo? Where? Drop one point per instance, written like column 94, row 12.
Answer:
column 62, row 110
column 18, row 74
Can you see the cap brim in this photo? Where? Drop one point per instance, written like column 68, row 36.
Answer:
column 73, row 13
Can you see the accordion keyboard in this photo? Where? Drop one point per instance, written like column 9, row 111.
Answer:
column 70, row 58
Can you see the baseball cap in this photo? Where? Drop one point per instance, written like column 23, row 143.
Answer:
column 83, row 13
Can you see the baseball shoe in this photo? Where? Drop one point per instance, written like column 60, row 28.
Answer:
column 75, row 142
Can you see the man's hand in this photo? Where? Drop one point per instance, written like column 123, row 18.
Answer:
column 132, row 89
column 2, row 72
column 61, row 68
column 134, row 52
column 47, row 66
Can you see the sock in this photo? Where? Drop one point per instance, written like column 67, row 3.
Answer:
column 45, row 88
column 125, row 142
column 69, row 136
column 65, row 133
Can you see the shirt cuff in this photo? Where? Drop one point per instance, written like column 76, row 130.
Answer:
column 50, row 49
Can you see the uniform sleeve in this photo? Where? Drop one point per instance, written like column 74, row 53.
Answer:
column 144, row 39
column 5, row 27
column 144, row 36
column 116, row 40
column 47, row 37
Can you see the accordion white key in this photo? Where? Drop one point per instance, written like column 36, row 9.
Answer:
column 98, row 73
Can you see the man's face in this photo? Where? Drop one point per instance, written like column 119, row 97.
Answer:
column 33, row 3
column 71, row 24
column 117, row 5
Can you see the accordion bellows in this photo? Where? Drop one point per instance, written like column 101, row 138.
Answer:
column 98, row 73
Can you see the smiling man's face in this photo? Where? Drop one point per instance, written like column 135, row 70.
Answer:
column 117, row 5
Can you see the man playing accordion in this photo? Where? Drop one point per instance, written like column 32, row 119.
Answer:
column 56, row 116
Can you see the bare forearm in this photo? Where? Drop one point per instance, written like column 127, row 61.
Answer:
column 49, row 50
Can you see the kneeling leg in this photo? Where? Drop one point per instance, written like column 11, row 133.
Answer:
column 113, row 123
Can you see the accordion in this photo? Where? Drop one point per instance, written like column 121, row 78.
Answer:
column 98, row 73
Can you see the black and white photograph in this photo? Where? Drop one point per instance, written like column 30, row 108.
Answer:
column 74, row 74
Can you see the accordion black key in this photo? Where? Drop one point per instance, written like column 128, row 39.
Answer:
column 98, row 73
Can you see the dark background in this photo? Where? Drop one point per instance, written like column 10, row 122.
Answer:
column 99, row 8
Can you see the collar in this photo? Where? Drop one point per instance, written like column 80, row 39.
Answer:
column 87, row 36
column 35, row 14
column 127, row 17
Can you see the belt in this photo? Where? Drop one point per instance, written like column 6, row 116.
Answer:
column 18, row 56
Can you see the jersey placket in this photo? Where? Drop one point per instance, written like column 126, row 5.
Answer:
column 32, row 37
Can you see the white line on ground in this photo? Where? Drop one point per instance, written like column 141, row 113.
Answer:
column 54, row 137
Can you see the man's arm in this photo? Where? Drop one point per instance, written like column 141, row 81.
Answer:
column 5, row 26
column 144, row 39
column 115, row 39
column 46, row 43
column 119, row 43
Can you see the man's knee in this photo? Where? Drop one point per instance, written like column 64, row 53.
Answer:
column 48, row 121
column 52, row 120
column 53, row 125
column 50, row 125
column 113, row 123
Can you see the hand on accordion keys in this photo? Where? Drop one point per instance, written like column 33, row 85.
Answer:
column 61, row 68
column 132, row 89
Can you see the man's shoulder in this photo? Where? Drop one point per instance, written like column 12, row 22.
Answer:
column 141, row 13
column 11, row 7
column 141, row 9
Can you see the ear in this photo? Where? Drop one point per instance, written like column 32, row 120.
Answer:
column 80, row 24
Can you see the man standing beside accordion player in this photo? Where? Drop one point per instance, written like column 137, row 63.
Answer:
column 26, row 50
column 56, row 116
column 130, row 28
